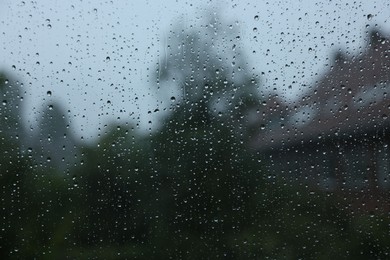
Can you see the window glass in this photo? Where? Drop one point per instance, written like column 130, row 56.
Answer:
column 194, row 129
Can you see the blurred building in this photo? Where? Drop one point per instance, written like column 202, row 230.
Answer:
column 337, row 136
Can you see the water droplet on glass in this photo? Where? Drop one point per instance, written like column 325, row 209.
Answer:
column 48, row 93
column 256, row 17
column 173, row 99
column 369, row 17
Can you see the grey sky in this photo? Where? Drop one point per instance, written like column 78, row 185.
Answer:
column 63, row 47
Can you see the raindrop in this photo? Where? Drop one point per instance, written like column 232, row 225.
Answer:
column 256, row 17
column 48, row 93
column 369, row 17
column 173, row 99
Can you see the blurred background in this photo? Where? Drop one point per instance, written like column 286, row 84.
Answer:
column 194, row 130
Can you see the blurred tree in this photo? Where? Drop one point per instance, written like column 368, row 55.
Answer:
column 115, row 182
column 52, row 143
column 208, row 174
column 34, row 201
column 210, row 76
column 13, row 166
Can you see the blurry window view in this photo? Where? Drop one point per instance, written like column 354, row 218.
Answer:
column 194, row 130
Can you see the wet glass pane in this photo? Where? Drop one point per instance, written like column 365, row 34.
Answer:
column 194, row 130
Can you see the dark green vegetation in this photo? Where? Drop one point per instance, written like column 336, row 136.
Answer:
column 192, row 190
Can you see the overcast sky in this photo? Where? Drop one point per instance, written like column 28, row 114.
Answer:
column 97, row 58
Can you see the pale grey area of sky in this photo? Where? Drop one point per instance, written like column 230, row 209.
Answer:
column 96, row 57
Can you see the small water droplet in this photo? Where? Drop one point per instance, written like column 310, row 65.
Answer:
column 256, row 17
column 48, row 93
column 173, row 99
column 369, row 17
